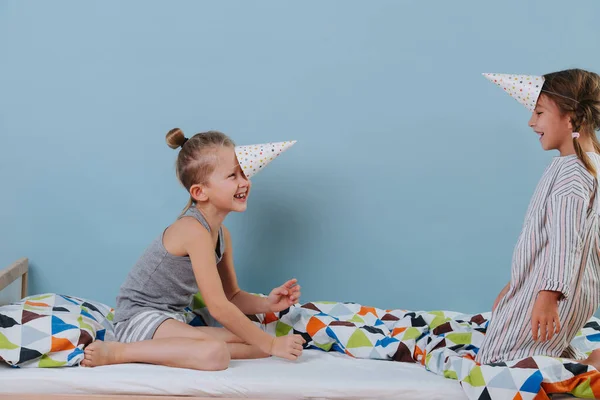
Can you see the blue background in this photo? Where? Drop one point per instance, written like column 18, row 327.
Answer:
column 407, row 187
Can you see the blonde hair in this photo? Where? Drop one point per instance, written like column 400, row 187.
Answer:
column 197, row 158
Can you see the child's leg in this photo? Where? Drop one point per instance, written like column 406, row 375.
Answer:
column 593, row 359
column 238, row 348
column 206, row 355
column 174, row 328
column 176, row 344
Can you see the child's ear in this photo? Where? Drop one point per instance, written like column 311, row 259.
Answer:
column 198, row 193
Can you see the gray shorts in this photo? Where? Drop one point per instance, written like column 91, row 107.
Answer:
column 142, row 326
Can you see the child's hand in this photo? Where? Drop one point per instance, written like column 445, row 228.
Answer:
column 544, row 316
column 284, row 296
column 288, row 347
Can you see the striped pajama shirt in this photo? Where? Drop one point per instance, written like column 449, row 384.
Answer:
column 558, row 250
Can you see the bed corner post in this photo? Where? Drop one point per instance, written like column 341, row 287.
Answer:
column 24, row 279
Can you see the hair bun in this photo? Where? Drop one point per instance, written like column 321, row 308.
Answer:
column 175, row 138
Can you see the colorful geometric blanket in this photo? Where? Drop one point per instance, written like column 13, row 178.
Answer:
column 444, row 342
column 50, row 331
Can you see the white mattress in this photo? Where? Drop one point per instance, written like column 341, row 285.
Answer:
column 315, row 375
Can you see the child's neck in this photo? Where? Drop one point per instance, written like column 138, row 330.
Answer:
column 586, row 145
column 213, row 216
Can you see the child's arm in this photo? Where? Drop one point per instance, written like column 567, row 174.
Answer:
column 565, row 216
column 197, row 242
column 566, row 211
column 279, row 299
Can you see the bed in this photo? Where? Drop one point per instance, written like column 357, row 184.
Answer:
column 317, row 375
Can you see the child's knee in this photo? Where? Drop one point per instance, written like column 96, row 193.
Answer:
column 213, row 355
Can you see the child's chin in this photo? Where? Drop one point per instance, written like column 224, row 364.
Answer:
column 240, row 208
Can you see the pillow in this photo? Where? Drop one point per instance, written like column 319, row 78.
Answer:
column 51, row 330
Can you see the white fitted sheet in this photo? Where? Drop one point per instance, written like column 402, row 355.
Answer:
column 315, row 375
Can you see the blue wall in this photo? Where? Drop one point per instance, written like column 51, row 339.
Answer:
column 411, row 175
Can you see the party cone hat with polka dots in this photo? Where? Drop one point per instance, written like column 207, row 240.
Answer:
column 255, row 158
column 523, row 88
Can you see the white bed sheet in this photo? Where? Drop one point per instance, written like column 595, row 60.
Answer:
column 315, row 375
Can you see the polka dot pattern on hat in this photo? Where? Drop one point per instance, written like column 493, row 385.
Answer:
column 523, row 88
column 254, row 158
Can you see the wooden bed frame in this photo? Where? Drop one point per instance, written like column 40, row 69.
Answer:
column 20, row 269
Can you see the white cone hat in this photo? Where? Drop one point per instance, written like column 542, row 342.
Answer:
column 256, row 157
column 523, row 88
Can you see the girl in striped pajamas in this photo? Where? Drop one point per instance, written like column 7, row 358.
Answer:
column 555, row 278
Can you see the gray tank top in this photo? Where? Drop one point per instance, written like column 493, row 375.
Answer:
column 161, row 281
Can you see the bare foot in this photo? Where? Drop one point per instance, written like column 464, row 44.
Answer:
column 593, row 359
column 101, row 353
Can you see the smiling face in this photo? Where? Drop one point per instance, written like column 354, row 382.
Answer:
column 553, row 127
column 227, row 188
